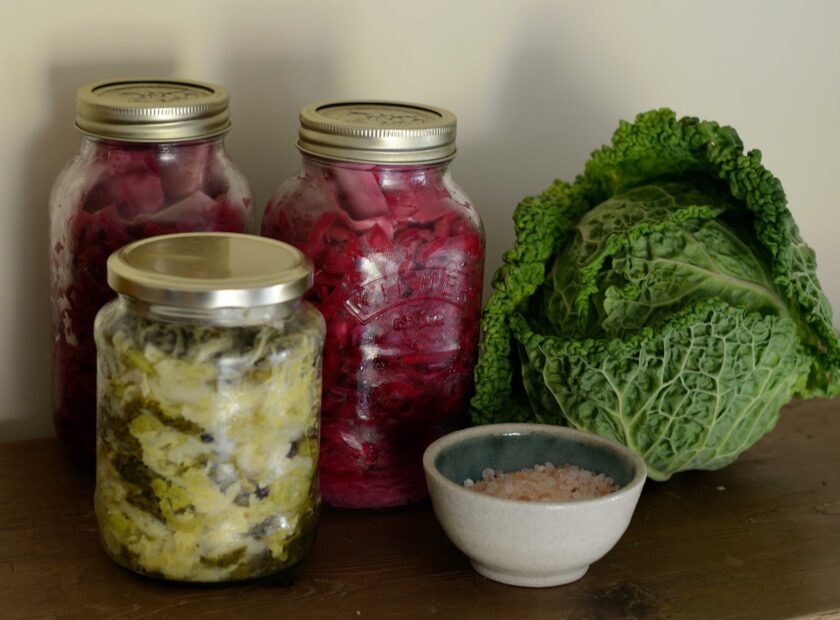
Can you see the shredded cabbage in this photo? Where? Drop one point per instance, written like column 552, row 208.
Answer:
column 207, row 444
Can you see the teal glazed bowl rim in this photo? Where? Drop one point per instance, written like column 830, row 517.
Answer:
column 585, row 441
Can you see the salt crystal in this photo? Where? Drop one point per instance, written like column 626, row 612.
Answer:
column 545, row 483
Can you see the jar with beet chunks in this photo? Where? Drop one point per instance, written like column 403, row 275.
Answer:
column 152, row 161
column 399, row 252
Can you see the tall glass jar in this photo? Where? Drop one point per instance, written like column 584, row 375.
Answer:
column 152, row 161
column 209, row 390
column 399, row 251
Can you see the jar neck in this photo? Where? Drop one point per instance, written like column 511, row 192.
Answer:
column 93, row 144
column 439, row 168
column 229, row 317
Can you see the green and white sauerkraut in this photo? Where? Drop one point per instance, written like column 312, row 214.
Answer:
column 207, row 444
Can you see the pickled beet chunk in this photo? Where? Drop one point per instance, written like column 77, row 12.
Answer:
column 359, row 193
column 183, row 172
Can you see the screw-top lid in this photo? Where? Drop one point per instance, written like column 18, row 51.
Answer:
column 210, row 270
column 377, row 132
column 152, row 110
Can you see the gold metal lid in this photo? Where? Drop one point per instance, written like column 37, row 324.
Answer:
column 152, row 110
column 377, row 132
column 210, row 270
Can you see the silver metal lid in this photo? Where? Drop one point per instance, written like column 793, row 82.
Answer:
column 152, row 110
column 210, row 270
column 377, row 132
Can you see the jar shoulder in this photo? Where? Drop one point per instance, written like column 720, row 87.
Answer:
column 366, row 195
column 118, row 324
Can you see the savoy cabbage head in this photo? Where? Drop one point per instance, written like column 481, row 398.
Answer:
column 664, row 299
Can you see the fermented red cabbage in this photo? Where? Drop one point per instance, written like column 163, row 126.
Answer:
column 111, row 195
column 399, row 261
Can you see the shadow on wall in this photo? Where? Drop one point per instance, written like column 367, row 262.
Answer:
column 266, row 97
column 53, row 146
column 547, row 116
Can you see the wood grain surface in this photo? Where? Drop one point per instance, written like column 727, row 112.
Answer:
column 759, row 539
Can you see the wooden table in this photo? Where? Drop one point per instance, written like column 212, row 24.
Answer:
column 760, row 539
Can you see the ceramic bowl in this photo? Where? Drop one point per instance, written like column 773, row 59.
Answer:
column 526, row 543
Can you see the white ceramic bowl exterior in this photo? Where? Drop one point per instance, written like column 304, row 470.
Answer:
column 533, row 544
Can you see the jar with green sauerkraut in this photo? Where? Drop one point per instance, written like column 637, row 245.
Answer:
column 208, row 390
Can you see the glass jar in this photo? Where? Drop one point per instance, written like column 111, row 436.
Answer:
column 152, row 161
column 399, row 251
column 209, row 390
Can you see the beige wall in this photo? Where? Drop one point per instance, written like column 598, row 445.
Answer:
column 536, row 85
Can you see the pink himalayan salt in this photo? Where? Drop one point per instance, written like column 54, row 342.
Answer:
column 544, row 483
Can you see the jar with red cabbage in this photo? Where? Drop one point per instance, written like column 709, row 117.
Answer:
column 399, row 252
column 152, row 161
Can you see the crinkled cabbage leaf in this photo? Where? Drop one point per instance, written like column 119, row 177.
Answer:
column 664, row 299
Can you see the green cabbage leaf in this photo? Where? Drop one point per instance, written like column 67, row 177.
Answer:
column 664, row 299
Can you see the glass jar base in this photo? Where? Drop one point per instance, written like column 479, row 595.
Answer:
column 282, row 577
column 364, row 494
